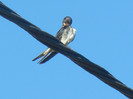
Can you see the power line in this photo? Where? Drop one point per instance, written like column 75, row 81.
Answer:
column 56, row 45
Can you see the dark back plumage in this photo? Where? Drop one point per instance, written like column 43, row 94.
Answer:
column 62, row 31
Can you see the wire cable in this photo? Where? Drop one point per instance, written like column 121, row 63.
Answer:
column 52, row 42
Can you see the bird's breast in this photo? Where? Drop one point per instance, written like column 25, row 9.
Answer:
column 68, row 35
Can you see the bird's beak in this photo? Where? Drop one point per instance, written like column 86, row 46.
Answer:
column 65, row 24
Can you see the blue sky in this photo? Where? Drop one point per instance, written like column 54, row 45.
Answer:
column 104, row 36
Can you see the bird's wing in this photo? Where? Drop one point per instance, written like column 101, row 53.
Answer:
column 59, row 34
column 52, row 54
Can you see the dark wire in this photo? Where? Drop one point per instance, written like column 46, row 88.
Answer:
column 55, row 44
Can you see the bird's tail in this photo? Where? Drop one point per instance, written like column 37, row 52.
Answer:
column 52, row 54
column 44, row 54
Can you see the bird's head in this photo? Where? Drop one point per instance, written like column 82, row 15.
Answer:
column 67, row 21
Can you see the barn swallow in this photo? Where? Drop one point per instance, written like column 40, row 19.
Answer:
column 66, row 35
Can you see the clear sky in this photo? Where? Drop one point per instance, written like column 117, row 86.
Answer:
column 104, row 36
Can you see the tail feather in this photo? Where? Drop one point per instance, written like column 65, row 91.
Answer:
column 48, row 57
column 38, row 57
column 43, row 57
column 45, row 53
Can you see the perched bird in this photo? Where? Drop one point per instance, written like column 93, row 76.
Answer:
column 66, row 35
